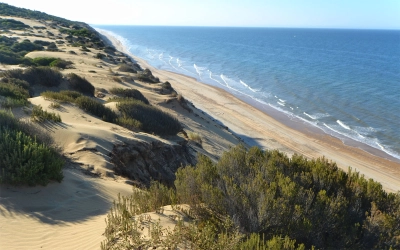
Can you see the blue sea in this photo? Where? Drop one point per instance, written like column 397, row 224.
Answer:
column 345, row 82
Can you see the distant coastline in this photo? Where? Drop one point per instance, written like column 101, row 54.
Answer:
column 311, row 142
column 303, row 120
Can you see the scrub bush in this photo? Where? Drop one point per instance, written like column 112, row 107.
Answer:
column 23, row 159
column 80, row 84
column 153, row 120
column 129, row 93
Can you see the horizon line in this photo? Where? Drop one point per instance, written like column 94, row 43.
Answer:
column 265, row 27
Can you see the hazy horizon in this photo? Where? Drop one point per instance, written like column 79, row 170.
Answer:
column 339, row 14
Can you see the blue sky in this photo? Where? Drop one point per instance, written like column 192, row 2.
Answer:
column 365, row 14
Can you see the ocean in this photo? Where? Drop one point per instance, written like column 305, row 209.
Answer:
column 344, row 82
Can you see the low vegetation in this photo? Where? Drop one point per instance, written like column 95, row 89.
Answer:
column 45, row 76
column 63, row 96
column 272, row 200
column 9, row 10
column 126, row 68
column 153, row 120
column 15, row 92
column 129, row 93
column 11, row 24
column 147, row 76
column 52, row 62
column 25, row 160
column 96, row 108
column 195, row 137
column 13, row 52
column 80, row 84
column 40, row 115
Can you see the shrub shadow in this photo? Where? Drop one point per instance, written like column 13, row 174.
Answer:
column 75, row 199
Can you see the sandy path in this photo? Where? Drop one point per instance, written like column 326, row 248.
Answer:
column 257, row 128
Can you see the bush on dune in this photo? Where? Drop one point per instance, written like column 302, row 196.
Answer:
column 311, row 201
column 129, row 93
column 14, row 94
column 46, row 76
column 63, row 96
column 96, row 108
column 11, row 24
column 126, row 68
column 25, row 160
column 153, row 120
column 40, row 115
column 80, row 84
column 43, row 61
column 275, row 202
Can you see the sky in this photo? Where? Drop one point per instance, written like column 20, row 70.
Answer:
column 358, row 14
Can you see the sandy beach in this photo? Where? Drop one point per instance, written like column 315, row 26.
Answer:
column 257, row 128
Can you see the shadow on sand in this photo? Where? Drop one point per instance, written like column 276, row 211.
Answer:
column 76, row 198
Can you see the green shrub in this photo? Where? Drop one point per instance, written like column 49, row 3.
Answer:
column 45, row 76
column 24, row 160
column 153, row 120
column 55, row 105
column 38, row 114
column 195, row 137
column 64, row 95
column 13, row 103
column 147, row 76
column 52, row 62
column 100, row 56
column 43, row 61
column 7, row 120
column 80, row 84
column 10, row 57
column 11, row 24
column 96, row 108
column 60, row 63
column 310, row 201
column 15, row 92
column 25, row 46
column 126, row 68
column 129, row 93
column 41, row 42
column 129, row 123
column 52, row 47
column 167, row 85
column 84, row 48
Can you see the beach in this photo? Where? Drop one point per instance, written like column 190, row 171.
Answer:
column 257, row 128
column 71, row 214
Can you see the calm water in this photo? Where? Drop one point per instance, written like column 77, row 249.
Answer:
column 346, row 82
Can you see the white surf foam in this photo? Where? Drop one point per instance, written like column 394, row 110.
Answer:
column 343, row 125
column 282, row 104
column 311, row 116
column 215, row 79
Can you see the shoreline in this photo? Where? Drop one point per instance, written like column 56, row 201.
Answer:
column 271, row 129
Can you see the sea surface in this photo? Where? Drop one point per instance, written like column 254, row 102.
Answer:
column 345, row 82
